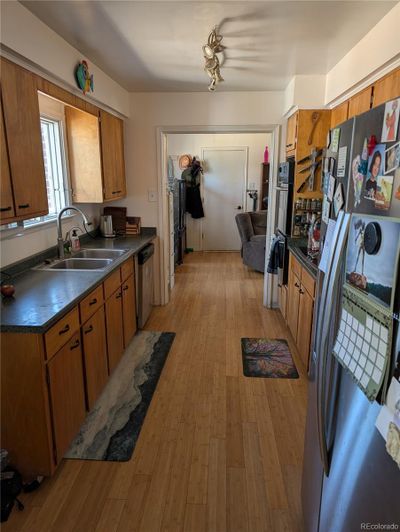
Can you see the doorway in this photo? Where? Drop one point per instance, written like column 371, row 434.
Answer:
column 224, row 189
column 167, row 149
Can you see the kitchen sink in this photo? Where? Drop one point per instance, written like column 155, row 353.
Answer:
column 77, row 264
column 99, row 253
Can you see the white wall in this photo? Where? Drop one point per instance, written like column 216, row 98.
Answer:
column 179, row 144
column 28, row 36
column 380, row 47
column 304, row 92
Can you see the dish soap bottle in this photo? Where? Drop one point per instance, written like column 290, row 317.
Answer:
column 75, row 243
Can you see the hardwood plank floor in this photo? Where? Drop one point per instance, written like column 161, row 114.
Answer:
column 218, row 451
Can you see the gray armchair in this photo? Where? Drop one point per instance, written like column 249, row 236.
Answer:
column 252, row 228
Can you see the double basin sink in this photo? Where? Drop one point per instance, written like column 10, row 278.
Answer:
column 86, row 259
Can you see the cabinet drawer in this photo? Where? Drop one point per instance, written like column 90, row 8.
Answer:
column 295, row 266
column 126, row 269
column 112, row 283
column 91, row 303
column 61, row 332
column 308, row 282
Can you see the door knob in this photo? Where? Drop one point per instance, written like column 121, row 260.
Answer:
column 239, row 207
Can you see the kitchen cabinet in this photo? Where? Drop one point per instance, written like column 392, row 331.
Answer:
column 339, row 114
column 360, row 102
column 67, row 396
column 83, row 140
column 95, row 356
column 387, row 88
column 283, row 290
column 115, row 329
column 50, row 379
column 7, row 210
column 96, row 156
column 129, row 309
column 291, row 135
column 293, row 303
column 300, row 304
column 24, row 141
column 304, row 326
column 112, row 152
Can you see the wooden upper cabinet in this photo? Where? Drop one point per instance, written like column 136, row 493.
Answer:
column 304, row 326
column 360, row 103
column 387, row 88
column 339, row 114
column 291, row 134
column 6, row 195
column 112, row 150
column 24, row 140
column 311, row 133
column 83, row 137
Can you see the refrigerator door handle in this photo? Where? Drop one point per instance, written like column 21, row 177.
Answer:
column 331, row 286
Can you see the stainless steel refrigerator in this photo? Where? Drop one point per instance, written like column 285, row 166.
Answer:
column 348, row 476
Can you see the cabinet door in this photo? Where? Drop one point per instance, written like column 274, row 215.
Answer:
column 360, row 103
column 95, row 356
column 6, row 196
column 67, row 395
column 339, row 114
column 283, row 300
column 115, row 330
column 129, row 309
column 291, row 132
column 84, row 156
column 387, row 88
column 304, row 327
column 24, row 139
column 112, row 150
column 293, row 304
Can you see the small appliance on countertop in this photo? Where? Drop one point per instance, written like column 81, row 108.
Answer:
column 106, row 226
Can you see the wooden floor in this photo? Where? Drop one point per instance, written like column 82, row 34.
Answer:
column 218, row 451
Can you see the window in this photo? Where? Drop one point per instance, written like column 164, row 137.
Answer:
column 55, row 172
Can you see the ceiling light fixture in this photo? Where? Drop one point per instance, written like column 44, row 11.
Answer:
column 210, row 51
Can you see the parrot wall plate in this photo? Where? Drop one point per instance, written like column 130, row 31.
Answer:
column 83, row 77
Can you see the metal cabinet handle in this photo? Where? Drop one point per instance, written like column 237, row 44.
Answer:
column 23, row 206
column 297, row 285
column 125, row 287
column 93, row 301
column 116, row 192
column 118, row 295
column 75, row 345
column 5, row 209
column 63, row 331
column 301, row 291
column 89, row 329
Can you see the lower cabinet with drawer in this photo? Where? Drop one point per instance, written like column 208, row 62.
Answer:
column 300, row 304
column 50, row 380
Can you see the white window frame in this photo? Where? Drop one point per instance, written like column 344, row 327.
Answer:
column 62, row 189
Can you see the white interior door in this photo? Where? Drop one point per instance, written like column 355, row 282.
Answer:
column 224, row 186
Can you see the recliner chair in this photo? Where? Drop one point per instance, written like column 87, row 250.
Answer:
column 252, row 228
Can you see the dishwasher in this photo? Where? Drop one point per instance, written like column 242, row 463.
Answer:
column 145, row 288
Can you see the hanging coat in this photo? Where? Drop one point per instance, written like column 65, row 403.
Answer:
column 192, row 175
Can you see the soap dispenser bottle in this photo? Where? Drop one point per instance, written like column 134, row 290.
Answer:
column 75, row 243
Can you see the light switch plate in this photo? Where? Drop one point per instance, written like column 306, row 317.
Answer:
column 152, row 195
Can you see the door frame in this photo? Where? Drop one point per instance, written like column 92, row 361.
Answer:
column 244, row 149
column 162, row 133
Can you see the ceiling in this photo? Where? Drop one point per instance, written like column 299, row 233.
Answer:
column 157, row 46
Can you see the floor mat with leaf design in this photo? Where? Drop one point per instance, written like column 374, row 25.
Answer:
column 267, row 358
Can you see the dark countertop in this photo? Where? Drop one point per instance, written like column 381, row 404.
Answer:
column 43, row 297
column 297, row 247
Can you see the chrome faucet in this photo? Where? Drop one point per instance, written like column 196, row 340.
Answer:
column 60, row 240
